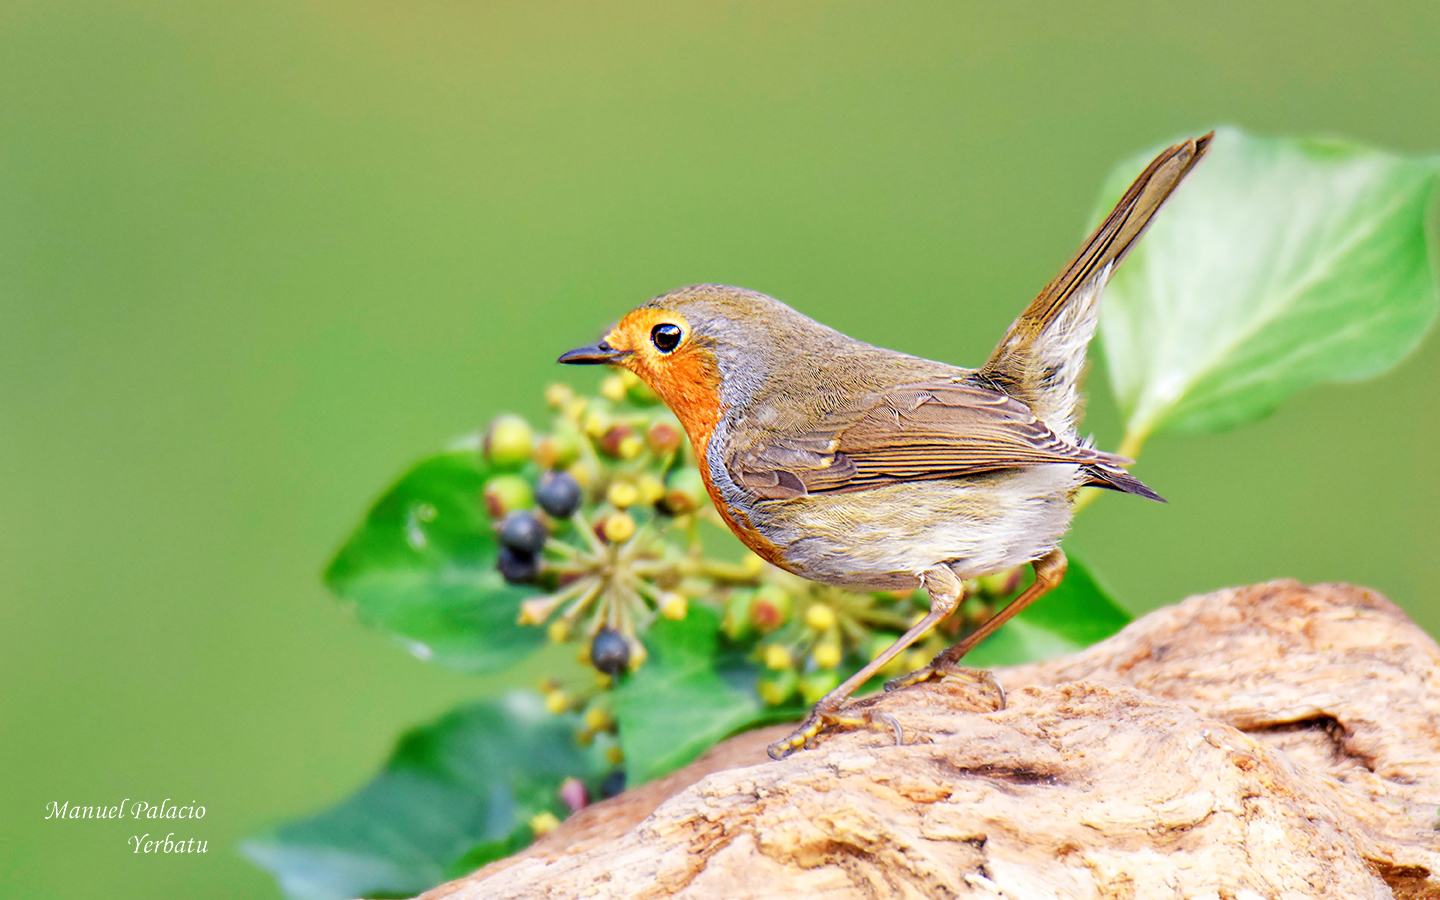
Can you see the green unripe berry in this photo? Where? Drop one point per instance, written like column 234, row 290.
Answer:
column 771, row 608
column 1001, row 584
column 507, row 493
column 508, row 442
column 556, row 451
column 684, row 491
column 736, row 623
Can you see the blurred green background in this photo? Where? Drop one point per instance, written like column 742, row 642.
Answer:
column 256, row 257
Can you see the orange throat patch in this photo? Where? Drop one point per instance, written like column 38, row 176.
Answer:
column 688, row 380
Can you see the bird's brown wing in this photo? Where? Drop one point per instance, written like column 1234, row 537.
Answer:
column 914, row 432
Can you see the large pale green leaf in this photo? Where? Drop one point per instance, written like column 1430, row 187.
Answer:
column 1278, row 264
column 422, row 567
column 454, row 794
column 1071, row 617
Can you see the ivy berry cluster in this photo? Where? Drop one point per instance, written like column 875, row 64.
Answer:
column 606, row 517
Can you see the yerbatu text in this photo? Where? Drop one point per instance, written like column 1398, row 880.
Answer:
column 168, row 844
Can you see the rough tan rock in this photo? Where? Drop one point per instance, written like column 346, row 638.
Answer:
column 1276, row 741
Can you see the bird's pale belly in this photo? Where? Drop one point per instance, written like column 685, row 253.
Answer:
column 885, row 537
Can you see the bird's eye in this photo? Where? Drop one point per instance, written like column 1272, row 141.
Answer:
column 666, row 337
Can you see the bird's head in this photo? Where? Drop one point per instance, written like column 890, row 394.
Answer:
column 701, row 348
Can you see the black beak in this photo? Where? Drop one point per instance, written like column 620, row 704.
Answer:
column 593, row 355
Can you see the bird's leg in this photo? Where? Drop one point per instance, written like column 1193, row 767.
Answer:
column 946, row 592
column 1049, row 572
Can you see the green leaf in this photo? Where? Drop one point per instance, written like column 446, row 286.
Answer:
column 686, row 697
column 456, row 793
column 1278, row 264
column 421, row 566
column 1071, row 617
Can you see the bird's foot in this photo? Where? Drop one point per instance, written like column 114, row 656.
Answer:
column 828, row 718
column 942, row 671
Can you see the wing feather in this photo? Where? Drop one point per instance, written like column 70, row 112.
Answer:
column 915, row 432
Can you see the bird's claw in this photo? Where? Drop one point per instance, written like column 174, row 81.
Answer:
column 824, row 719
column 946, row 671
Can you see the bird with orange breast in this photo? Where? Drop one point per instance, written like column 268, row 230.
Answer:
column 857, row 466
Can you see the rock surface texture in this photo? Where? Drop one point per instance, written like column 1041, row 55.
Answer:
column 1275, row 741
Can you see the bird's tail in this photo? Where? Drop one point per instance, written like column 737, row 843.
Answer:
column 1041, row 357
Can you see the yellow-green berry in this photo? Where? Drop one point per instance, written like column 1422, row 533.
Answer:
column 820, row 617
column 557, row 395
column 623, row 494
column 613, row 389
column 651, row 488
column 597, row 422
column 619, row 528
column 507, row 493
column 674, row 606
column 778, row 656
column 544, row 823
column 508, row 441
column 827, row 654
column 597, row 719
column 638, row 655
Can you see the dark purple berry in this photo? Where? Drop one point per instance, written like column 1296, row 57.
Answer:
column 522, row 532
column 517, row 566
column 613, row 785
column 609, row 652
column 559, row 494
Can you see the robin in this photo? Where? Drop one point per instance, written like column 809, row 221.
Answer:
column 857, row 466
